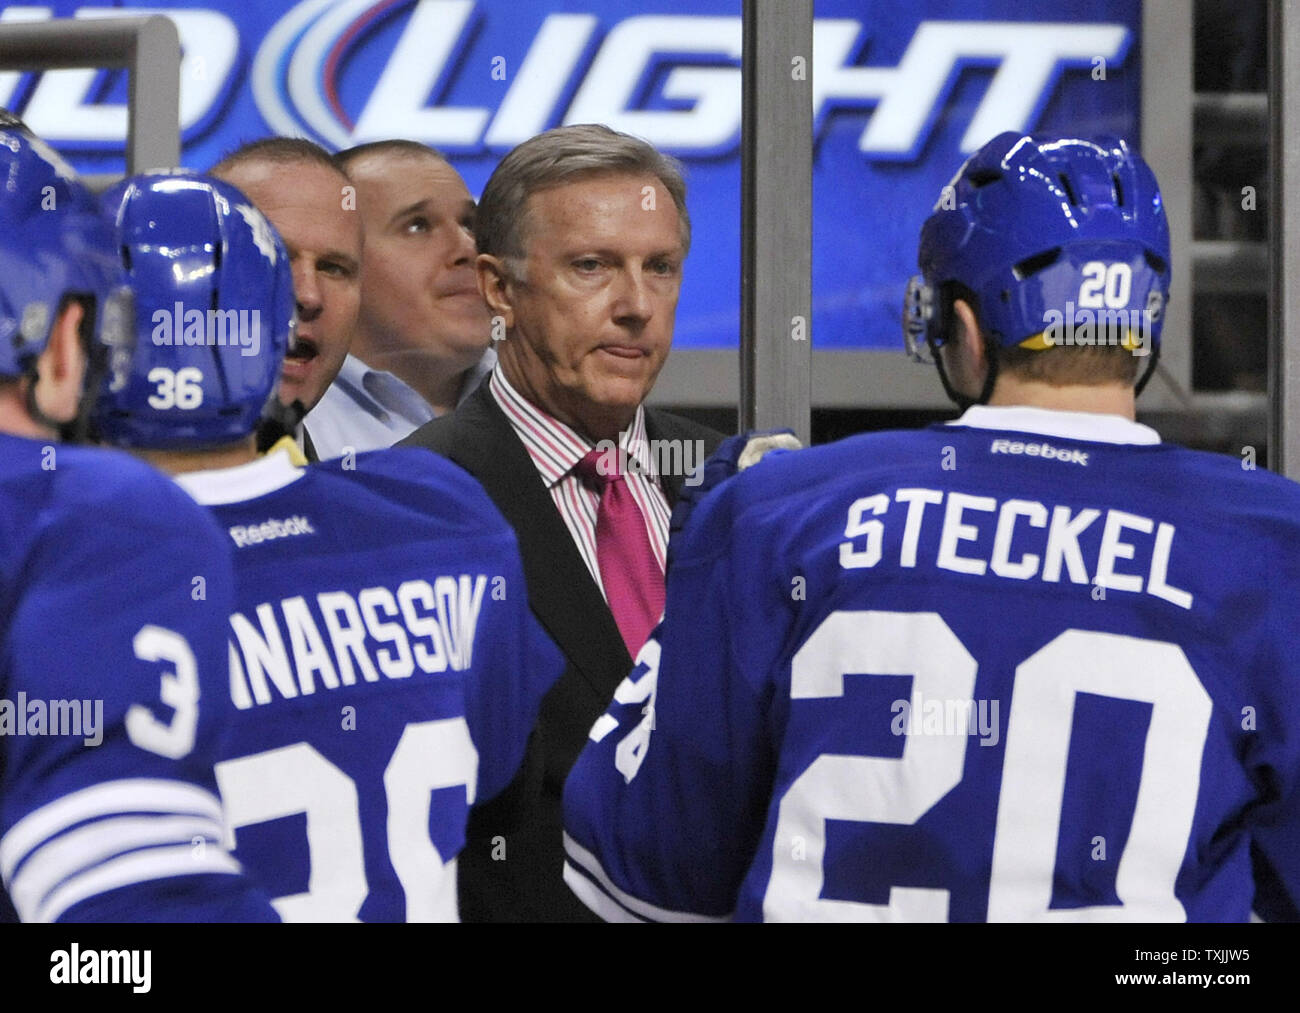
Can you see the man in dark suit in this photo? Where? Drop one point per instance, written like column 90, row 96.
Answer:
column 581, row 234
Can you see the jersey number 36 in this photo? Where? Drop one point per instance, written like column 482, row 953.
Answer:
column 298, row 779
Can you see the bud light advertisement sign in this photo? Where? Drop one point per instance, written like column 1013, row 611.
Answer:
column 901, row 93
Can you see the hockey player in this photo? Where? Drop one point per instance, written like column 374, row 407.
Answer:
column 115, row 589
column 383, row 662
column 1033, row 665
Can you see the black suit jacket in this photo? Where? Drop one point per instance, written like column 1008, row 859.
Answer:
column 511, row 868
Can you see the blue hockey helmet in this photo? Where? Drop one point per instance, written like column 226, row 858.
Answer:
column 214, row 313
column 55, row 246
column 1035, row 228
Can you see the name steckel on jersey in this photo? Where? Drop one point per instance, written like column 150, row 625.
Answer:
column 114, row 588
column 385, row 671
column 1031, row 666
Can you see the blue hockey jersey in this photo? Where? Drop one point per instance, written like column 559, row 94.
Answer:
column 1033, row 666
column 114, row 588
column 385, row 670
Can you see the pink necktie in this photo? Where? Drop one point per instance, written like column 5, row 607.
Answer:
column 634, row 584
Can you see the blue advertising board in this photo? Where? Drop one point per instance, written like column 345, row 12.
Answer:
column 903, row 90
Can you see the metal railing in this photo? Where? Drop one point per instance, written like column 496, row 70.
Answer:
column 147, row 48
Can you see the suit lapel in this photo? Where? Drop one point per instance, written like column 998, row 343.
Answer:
column 564, row 597
column 308, row 448
column 660, row 427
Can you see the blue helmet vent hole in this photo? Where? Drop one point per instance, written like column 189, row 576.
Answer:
column 1030, row 266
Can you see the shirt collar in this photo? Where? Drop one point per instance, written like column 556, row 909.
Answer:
column 380, row 393
column 1094, row 427
column 219, row 486
column 555, row 447
column 353, row 370
column 477, row 372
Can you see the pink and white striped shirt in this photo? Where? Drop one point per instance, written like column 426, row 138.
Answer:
column 556, row 449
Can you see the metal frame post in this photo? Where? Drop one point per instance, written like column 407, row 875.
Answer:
column 1284, row 238
column 147, row 48
column 776, row 217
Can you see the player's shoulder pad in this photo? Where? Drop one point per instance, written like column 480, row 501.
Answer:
column 775, row 492
column 797, row 474
column 114, row 491
column 1240, row 485
column 718, row 514
column 733, row 455
column 415, row 477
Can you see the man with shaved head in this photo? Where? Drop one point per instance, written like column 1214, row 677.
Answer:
column 308, row 199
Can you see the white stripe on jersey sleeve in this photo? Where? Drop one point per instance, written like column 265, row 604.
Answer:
column 72, row 854
column 591, row 895
column 134, row 830
column 585, row 862
column 137, row 867
column 112, row 798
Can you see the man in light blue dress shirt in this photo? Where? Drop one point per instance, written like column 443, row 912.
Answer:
column 369, row 409
column 421, row 344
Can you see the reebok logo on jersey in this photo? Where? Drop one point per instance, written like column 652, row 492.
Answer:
column 1040, row 450
column 268, row 531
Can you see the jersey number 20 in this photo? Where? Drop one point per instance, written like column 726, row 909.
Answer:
column 870, row 789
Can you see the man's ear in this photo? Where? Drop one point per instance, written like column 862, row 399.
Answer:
column 968, row 338
column 61, row 367
column 494, row 284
